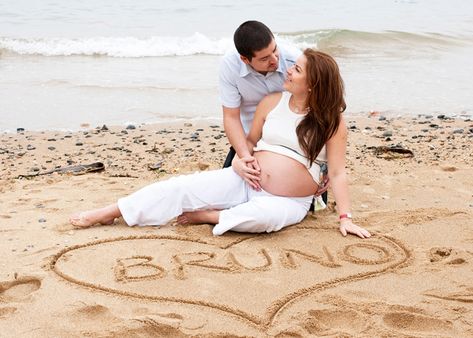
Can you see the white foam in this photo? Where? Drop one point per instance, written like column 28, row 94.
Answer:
column 119, row 46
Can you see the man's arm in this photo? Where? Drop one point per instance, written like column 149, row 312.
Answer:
column 234, row 130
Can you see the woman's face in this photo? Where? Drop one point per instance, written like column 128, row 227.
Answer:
column 296, row 80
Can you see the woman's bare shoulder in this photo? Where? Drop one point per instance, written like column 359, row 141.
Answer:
column 269, row 102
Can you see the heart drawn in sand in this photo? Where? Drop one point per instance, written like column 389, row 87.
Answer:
column 277, row 269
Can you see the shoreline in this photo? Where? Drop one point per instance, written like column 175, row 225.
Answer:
column 410, row 185
column 85, row 126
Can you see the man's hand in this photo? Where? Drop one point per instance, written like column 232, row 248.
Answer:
column 248, row 169
column 323, row 186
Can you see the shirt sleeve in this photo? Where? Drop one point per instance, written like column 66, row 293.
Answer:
column 229, row 94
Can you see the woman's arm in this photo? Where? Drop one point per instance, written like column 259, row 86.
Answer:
column 336, row 154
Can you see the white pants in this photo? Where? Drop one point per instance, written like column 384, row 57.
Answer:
column 244, row 209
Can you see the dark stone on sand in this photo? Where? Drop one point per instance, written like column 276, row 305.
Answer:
column 20, row 130
column 130, row 126
column 433, row 125
column 52, row 148
column 218, row 137
column 79, row 144
column 353, row 127
column 470, row 130
column 35, row 169
column 214, row 126
column 42, row 220
column 388, row 133
column 458, row 131
column 30, row 147
column 51, row 139
column 441, row 117
column 104, row 127
column 382, row 118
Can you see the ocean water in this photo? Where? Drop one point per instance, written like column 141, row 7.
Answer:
column 66, row 63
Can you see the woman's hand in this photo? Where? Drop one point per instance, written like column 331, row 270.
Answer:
column 348, row 227
column 248, row 169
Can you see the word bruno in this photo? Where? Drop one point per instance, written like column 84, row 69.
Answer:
column 137, row 268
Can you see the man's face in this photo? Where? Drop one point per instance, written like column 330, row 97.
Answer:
column 265, row 60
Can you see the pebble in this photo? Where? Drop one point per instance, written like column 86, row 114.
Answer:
column 458, row 131
column 52, row 148
column 130, row 126
column 104, row 128
column 155, row 166
column 20, row 130
column 388, row 133
column 30, row 147
column 42, row 220
column 79, row 144
column 382, row 118
column 187, row 124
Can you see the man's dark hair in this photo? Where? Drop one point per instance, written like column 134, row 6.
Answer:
column 250, row 37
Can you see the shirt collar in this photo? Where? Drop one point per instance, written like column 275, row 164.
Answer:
column 247, row 69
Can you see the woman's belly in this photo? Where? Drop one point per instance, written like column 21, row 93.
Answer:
column 284, row 176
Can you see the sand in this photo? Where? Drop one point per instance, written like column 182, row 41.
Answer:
column 411, row 279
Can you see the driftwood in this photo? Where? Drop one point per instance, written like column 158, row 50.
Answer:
column 391, row 153
column 79, row 169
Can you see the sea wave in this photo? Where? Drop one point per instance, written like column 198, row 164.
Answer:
column 350, row 42
column 130, row 47
column 332, row 40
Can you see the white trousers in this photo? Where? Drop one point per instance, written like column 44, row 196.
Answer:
column 243, row 209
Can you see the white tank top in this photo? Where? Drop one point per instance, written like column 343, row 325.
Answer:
column 279, row 136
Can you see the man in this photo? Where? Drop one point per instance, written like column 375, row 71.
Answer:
column 255, row 69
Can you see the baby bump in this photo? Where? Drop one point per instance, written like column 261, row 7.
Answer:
column 284, row 176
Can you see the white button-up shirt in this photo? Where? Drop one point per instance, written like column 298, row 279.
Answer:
column 241, row 86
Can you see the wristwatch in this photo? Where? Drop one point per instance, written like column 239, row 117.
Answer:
column 347, row 215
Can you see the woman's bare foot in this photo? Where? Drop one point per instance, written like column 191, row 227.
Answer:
column 102, row 216
column 199, row 217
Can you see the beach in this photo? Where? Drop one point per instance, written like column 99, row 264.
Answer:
column 411, row 187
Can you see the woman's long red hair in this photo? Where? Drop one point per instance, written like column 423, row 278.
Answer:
column 325, row 101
